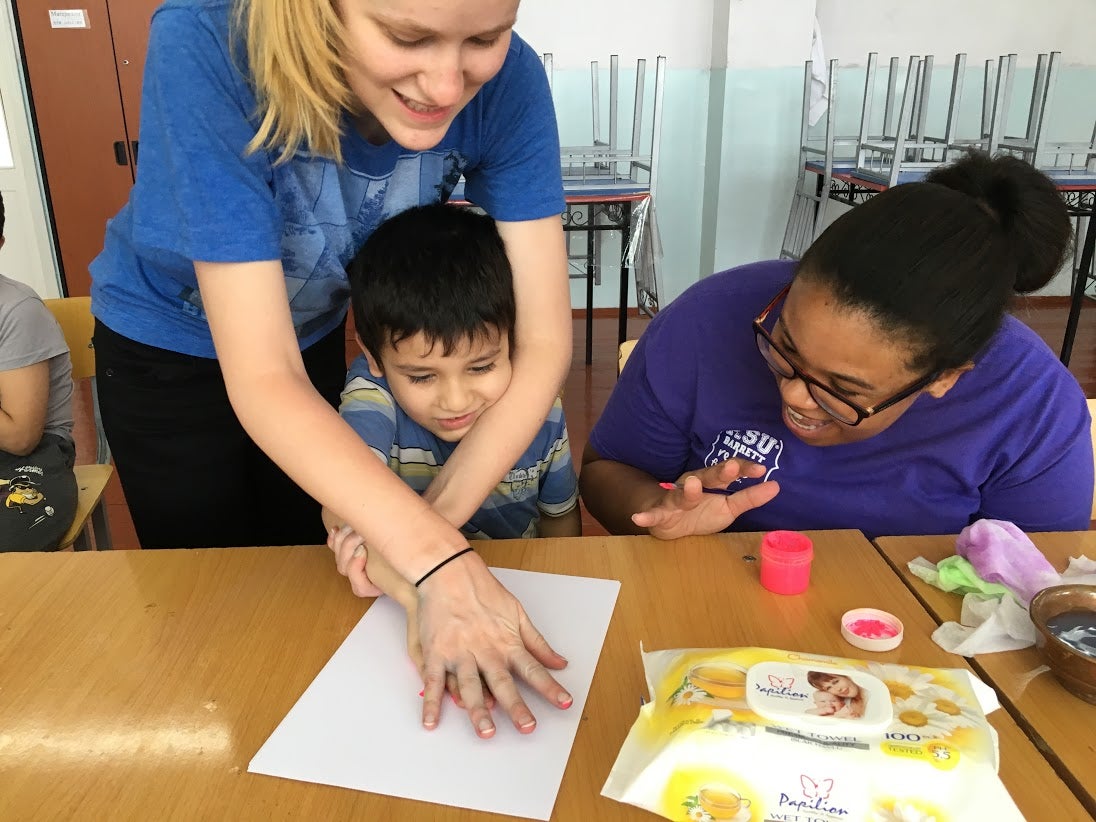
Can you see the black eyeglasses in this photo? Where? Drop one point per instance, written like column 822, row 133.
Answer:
column 841, row 409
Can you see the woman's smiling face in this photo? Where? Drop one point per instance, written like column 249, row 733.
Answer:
column 841, row 686
column 851, row 355
column 414, row 64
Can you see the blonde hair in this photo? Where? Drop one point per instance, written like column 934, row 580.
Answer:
column 294, row 50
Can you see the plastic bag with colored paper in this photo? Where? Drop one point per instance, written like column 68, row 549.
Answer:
column 775, row 736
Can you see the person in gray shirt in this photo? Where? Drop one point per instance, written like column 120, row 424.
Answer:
column 37, row 485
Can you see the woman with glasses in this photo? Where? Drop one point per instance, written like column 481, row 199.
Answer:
column 877, row 384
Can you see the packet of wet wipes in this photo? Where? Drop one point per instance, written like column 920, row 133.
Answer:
column 763, row 735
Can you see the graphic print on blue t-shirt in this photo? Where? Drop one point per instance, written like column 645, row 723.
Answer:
column 524, row 482
column 330, row 211
column 755, row 446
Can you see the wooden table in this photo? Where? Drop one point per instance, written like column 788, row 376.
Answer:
column 139, row 684
column 1061, row 725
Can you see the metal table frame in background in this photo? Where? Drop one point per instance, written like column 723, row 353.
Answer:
column 593, row 213
column 1081, row 203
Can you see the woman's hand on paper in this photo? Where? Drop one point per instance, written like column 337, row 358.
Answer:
column 688, row 511
column 345, row 542
column 354, row 561
column 471, row 627
column 414, row 651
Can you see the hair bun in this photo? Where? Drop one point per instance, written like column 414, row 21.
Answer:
column 1025, row 203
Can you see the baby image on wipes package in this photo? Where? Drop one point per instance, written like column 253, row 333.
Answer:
column 822, row 695
column 836, row 695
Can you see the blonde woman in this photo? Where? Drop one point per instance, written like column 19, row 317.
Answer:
column 275, row 136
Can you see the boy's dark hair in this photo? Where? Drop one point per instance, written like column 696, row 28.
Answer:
column 436, row 269
column 937, row 262
column 1, row 215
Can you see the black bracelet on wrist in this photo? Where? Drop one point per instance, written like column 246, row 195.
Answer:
column 442, row 564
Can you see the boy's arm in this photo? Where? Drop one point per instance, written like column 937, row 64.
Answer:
column 384, row 577
column 565, row 525
column 24, row 399
column 377, row 569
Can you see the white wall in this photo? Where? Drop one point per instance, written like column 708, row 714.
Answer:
column 767, row 42
column 769, row 33
column 981, row 28
column 578, row 31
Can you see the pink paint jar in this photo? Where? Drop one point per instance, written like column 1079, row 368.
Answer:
column 786, row 562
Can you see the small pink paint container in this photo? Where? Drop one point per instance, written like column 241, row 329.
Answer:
column 871, row 629
column 786, row 562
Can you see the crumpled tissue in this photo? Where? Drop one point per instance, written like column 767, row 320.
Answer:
column 1002, row 553
column 998, row 570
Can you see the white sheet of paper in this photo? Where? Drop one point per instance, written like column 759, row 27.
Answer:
column 358, row 725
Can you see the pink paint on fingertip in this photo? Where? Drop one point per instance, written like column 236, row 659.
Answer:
column 669, row 486
column 423, row 691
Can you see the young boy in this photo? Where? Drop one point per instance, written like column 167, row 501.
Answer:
column 433, row 302
column 37, row 486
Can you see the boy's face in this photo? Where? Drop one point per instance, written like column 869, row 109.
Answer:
column 826, row 703
column 446, row 394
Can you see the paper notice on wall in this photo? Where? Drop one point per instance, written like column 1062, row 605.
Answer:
column 69, row 19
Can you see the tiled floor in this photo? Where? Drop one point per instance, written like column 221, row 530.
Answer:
column 587, row 389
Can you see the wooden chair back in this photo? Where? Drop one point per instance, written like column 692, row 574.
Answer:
column 73, row 314
column 623, row 352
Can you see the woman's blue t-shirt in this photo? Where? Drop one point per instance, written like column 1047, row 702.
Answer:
column 199, row 196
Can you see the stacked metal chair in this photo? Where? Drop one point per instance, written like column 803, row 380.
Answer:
column 610, row 184
column 866, row 156
column 820, row 155
column 905, row 148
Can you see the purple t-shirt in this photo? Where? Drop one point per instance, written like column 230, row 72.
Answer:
column 1011, row 440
